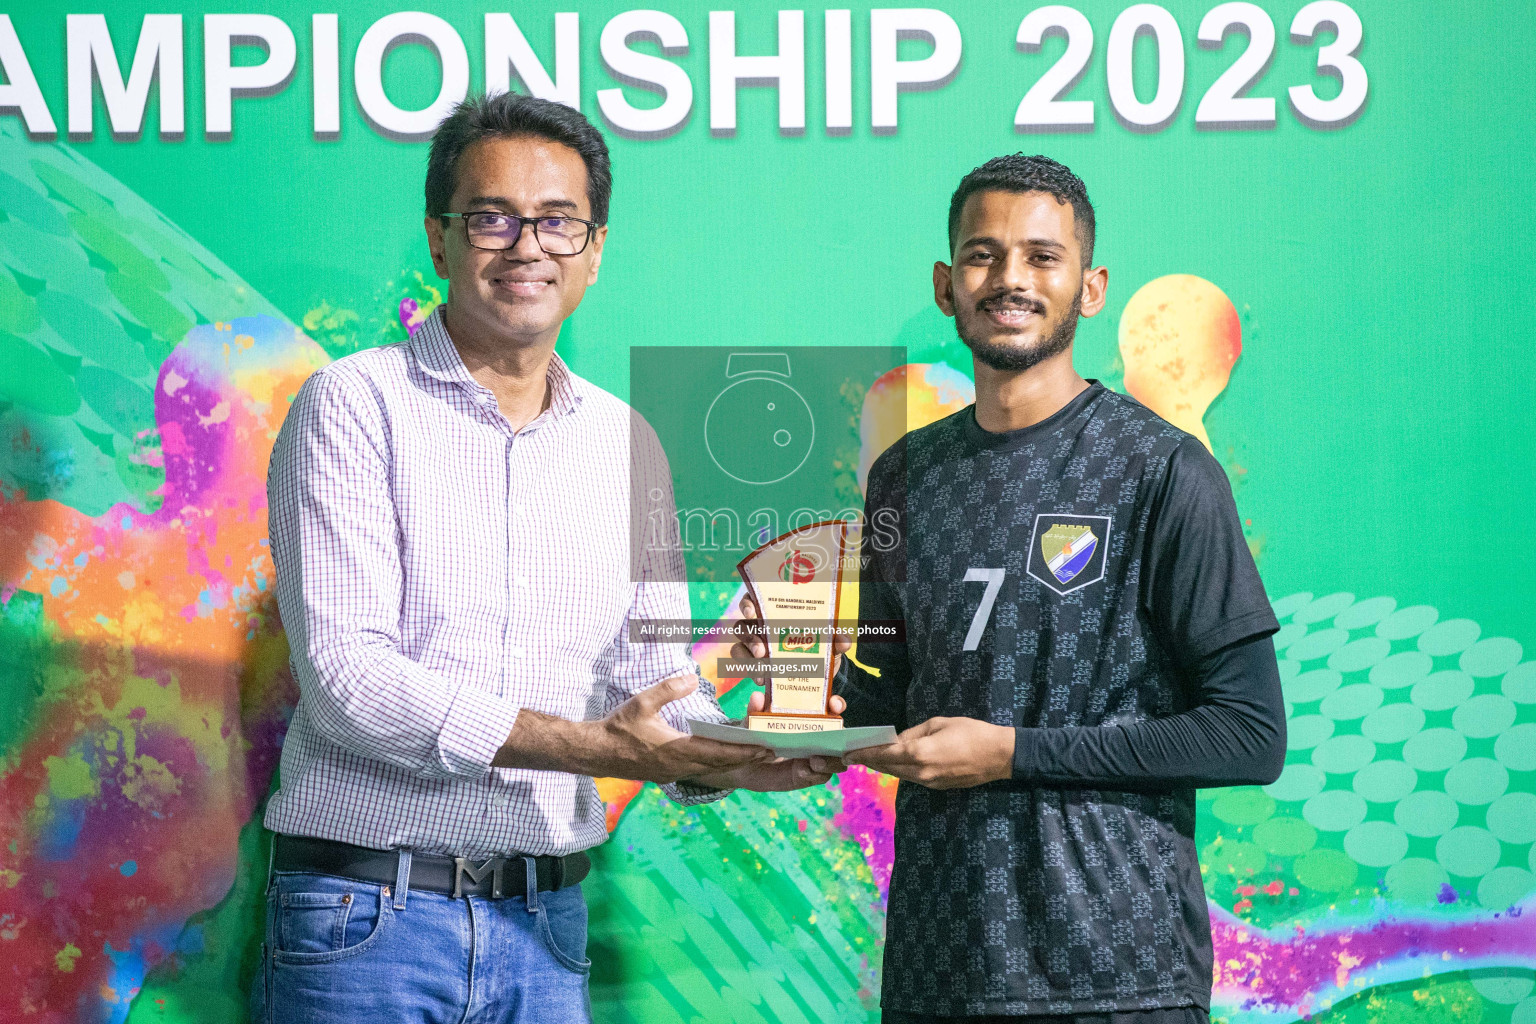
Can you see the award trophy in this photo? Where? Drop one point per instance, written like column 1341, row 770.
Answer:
column 795, row 580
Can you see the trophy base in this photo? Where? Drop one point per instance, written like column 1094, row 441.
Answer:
column 793, row 723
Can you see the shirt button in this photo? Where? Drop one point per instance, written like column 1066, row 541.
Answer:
column 516, row 652
column 517, row 510
column 521, row 581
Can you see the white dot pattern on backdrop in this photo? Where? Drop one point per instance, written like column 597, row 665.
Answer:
column 1411, row 750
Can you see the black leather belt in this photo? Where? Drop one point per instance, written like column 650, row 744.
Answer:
column 495, row 877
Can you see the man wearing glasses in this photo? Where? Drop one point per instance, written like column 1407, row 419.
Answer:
column 450, row 525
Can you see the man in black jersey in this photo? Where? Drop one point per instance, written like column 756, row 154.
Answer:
column 1087, row 641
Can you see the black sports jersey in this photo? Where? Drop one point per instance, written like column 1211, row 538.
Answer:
column 1066, row 579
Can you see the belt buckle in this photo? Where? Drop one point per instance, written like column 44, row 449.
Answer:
column 493, row 867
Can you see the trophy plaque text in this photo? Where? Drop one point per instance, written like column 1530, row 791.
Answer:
column 795, row 581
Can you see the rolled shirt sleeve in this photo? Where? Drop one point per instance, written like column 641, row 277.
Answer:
column 339, row 589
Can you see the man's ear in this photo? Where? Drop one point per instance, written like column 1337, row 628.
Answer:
column 436, row 245
column 599, row 236
column 943, row 290
column 1095, row 290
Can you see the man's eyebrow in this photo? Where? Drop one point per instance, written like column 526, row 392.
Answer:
column 562, row 204
column 1041, row 243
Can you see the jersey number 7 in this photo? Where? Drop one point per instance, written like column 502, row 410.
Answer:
column 994, row 581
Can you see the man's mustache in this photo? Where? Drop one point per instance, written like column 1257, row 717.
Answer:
column 1012, row 300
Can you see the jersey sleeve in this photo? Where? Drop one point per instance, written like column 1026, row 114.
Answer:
column 1200, row 588
column 1234, row 735
column 1201, row 592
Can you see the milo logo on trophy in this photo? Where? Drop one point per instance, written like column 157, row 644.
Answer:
column 795, row 580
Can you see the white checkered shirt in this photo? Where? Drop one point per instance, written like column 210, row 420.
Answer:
column 437, row 571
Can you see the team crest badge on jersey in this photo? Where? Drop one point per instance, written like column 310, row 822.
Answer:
column 1067, row 552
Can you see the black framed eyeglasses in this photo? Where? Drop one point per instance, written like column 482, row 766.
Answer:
column 557, row 236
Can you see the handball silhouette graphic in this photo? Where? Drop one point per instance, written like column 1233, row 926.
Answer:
column 798, row 567
column 759, row 429
column 1179, row 337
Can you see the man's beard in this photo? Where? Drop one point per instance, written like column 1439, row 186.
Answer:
column 1015, row 358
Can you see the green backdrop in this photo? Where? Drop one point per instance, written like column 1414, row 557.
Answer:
column 161, row 298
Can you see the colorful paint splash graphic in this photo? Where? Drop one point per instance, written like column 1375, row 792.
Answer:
column 145, row 672
column 1386, row 876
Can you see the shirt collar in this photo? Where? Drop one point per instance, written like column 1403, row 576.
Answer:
column 436, row 355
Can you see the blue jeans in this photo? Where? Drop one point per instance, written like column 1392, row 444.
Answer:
column 339, row 951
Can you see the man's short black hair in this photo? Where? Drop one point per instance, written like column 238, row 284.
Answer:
column 1020, row 173
column 510, row 115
